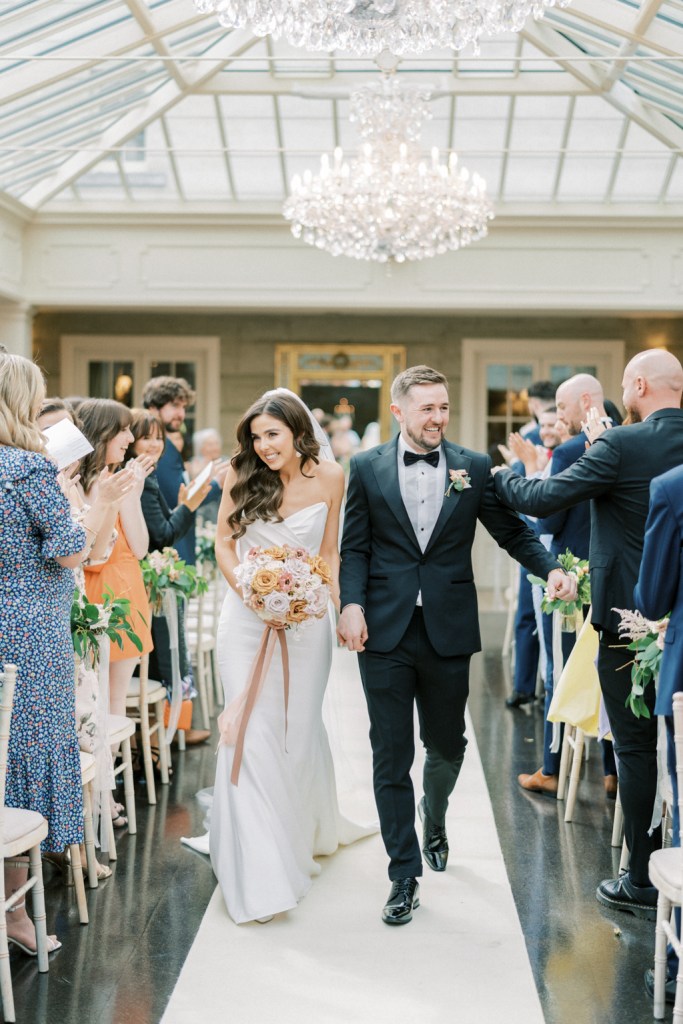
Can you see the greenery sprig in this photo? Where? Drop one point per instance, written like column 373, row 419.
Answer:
column 165, row 570
column 647, row 642
column 91, row 622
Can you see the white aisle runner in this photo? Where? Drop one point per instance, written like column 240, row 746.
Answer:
column 462, row 959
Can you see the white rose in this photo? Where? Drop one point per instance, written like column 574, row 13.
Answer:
column 276, row 604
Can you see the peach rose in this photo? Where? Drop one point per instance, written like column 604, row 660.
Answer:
column 264, row 581
column 297, row 612
column 275, row 552
column 320, row 567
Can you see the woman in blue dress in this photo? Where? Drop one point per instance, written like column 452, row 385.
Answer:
column 39, row 546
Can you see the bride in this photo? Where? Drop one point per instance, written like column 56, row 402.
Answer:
column 283, row 487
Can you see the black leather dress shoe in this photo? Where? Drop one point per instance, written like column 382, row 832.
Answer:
column 669, row 986
column 434, row 840
column 621, row 894
column 517, row 699
column 403, row 899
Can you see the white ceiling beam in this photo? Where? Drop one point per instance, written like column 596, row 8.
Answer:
column 158, row 104
column 644, row 18
column 616, row 19
column 38, row 75
column 143, row 18
column 617, row 95
column 261, row 83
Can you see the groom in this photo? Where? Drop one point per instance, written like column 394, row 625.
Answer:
column 409, row 607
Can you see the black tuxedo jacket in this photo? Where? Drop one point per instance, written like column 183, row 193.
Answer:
column 383, row 568
column 615, row 473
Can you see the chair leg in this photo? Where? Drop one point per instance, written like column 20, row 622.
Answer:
column 575, row 774
column 129, row 786
column 90, row 857
column 79, row 884
column 181, row 739
column 112, row 854
column 564, row 761
column 625, row 858
column 678, row 1004
column 663, row 912
column 146, row 741
column 5, row 974
column 164, row 749
column 35, row 867
column 618, row 826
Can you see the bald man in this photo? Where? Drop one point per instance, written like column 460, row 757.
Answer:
column 615, row 474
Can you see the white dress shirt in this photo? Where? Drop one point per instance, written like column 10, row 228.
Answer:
column 422, row 489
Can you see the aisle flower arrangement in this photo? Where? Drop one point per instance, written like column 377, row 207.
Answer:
column 165, row 571
column 205, row 547
column 91, row 622
column 579, row 569
column 647, row 642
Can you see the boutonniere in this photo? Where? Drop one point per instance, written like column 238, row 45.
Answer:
column 460, row 481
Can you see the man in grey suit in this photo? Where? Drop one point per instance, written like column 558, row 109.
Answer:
column 409, row 607
column 615, row 474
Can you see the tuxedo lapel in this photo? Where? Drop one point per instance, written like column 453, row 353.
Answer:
column 385, row 468
column 455, row 459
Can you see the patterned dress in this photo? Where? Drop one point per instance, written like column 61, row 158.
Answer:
column 43, row 771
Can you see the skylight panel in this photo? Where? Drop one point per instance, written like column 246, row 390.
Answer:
column 257, row 177
column 529, row 178
column 203, row 177
column 640, row 178
column 585, row 177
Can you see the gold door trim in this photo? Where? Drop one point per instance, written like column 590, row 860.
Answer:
column 336, row 364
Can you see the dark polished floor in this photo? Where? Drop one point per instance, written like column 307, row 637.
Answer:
column 588, row 963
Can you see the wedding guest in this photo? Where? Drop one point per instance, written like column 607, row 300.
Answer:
column 615, row 475
column 40, row 546
column 168, row 398
column 106, row 424
column 207, row 446
column 406, row 577
column 165, row 528
column 92, row 699
column 659, row 590
column 569, row 530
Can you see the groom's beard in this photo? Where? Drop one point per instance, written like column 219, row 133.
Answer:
column 429, row 443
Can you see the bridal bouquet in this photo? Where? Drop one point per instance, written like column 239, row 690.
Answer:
column 647, row 640
column 285, row 585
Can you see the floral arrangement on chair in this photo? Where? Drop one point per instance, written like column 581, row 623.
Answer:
column 647, row 641
column 165, row 571
column 579, row 569
column 91, row 622
column 205, row 547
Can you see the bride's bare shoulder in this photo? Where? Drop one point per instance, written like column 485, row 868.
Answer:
column 329, row 471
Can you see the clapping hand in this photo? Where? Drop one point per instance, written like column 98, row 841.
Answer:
column 562, row 586
column 68, row 478
column 534, row 457
column 593, row 426
column 113, row 487
column 142, row 466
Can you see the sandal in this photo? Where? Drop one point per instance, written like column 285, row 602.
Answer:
column 53, row 943
column 118, row 820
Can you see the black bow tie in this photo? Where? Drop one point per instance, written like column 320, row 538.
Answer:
column 411, row 457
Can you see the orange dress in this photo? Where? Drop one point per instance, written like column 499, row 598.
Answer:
column 121, row 574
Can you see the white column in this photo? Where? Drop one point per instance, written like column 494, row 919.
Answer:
column 16, row 328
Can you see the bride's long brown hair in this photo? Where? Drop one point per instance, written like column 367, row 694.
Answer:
column 258, row 490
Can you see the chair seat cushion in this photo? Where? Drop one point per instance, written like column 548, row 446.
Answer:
column 155, row 690
column 19, row 823
column 119, row 727
column 666, row 872
column 88, row 767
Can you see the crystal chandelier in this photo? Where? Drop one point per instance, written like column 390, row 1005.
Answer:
column 389, row 203
column 365, row 28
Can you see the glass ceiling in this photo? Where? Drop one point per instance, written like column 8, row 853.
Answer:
column 115, row 102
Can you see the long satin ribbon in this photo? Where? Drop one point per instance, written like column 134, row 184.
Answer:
column 558, row 665
column 105, row 781
column 249, row 695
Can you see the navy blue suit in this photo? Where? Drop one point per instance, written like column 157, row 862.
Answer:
column 171, row 474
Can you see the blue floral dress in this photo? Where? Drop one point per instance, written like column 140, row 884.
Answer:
column 43, row 770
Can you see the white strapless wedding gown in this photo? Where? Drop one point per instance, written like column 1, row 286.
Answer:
column 265, row 832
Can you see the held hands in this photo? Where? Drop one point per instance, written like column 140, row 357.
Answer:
column 197, row 498
column 352, row 631
column 562, row 586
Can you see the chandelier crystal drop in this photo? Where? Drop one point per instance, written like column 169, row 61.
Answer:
column 365, row 28
column 391, row 202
